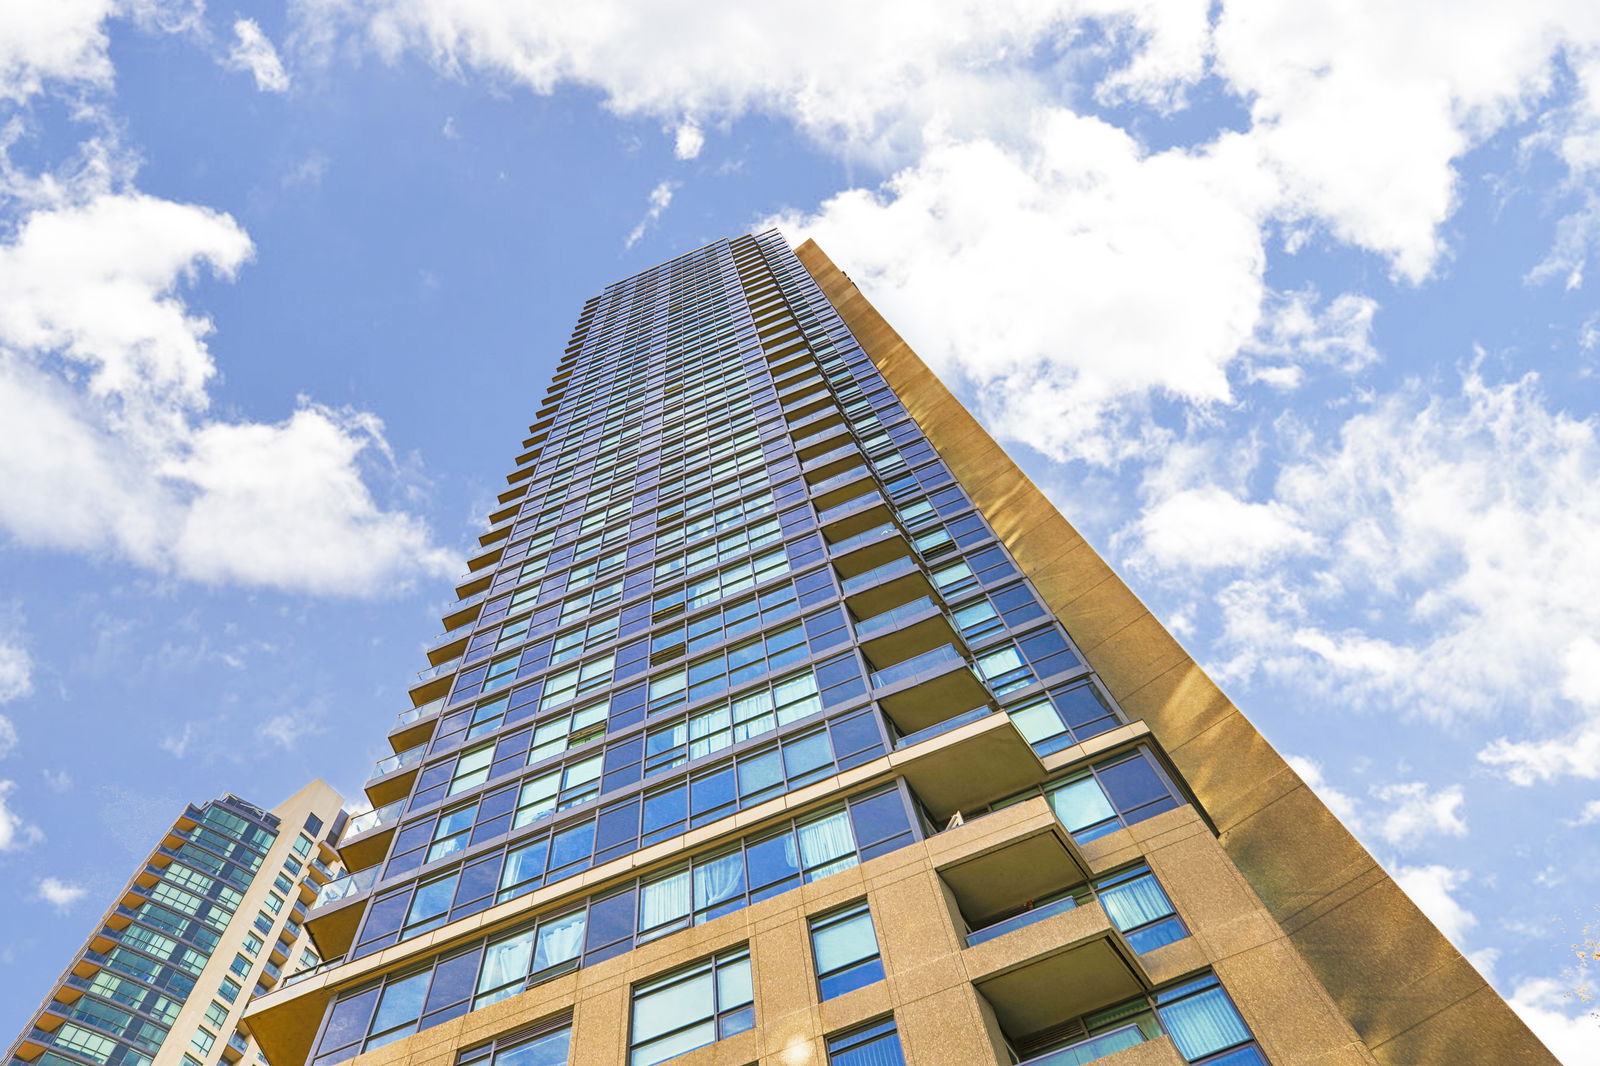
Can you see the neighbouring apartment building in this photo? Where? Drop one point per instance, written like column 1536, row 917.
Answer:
column 782, row 720
column 215, row 914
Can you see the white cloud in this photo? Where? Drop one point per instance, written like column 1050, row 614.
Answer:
column 1451, row 535
column 688, row 140
column 253, row 53
column 966, row 65
column 8, row 736
column 61, row 40
column 1209, row 527
column 1417, row 813
column 1589, row 815
column 287, row 728
column 15, row 833
column 660, row 199
column 1574, row 1038
column 16, row 671
column 1432, row 888
column 178, row 745
column 103, row 379
column 1068, row 280
column 57, row 780
column 62, row 895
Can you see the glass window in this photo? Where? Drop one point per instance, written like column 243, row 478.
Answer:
column 691, row 1007
column 1204, row 1024
column 1135, row 903
column 1111, row 794
column 845, row 949
column 877, row 1044
column 549, row 1048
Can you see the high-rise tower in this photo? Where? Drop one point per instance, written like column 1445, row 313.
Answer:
column 783, row 720
column 215, row 913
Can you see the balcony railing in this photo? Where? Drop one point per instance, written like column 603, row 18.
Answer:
column 417, row 714
column 347, row 886
column 821, row 434
column 399, row 761
column 312, row 971
column 438, row 671
column 855, row 503
column 893, row 568
column 466, row 601
column 832, row 455
column 855, row 473
column 943, row 727
column 929, row 661
column 850, row 544
column 889, row 620
column 1096, row 1047
column 1017, row 921
column 361, row 823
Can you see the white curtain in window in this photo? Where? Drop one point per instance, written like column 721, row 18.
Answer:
column 560, row 939
column 664, row 901
column 506, row 961
column 717, row 880
column 826, row 839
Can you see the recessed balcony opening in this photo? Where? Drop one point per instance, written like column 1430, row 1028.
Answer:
column 928, row 689
column 885, row 587
column 1021, row 882
column 904, row 632
column 869, row 549
column 961, row 764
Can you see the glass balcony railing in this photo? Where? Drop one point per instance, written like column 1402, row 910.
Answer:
column 1096, row 1047
column 347, row 886
column 821, row 435
column 312, row 971
column 855, row 473
column 943, row 727
column 832, row 455
column 438, row 671
column 466, row 601
column 409, row 757
column 417, row 714
column 850, row 544
column 939, row 658
column 1017, row 921
column 891, row 569
column 238, row 1043
column 362, row 823
column 856, row 503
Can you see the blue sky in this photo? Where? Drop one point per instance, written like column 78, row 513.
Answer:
column 1287, row 306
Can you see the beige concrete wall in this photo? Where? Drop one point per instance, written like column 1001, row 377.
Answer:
column 1410, row 995
column 929, row 972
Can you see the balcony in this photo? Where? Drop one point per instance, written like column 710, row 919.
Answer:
column 850, row 556
column 366, row 837
column 835, row 490
column 391, row 778
column 928, row 688
column 471, row 584
column 414, row 725
column 333, row 921
column 833, row 461
column 904, row 632
column 465, row 611
column 1126, row 1045
column 814, row 421
column 432, row 672
column 1077, row 955
column 966, row 764
column 822, row 441
column 854, row 516
column 804, row 406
